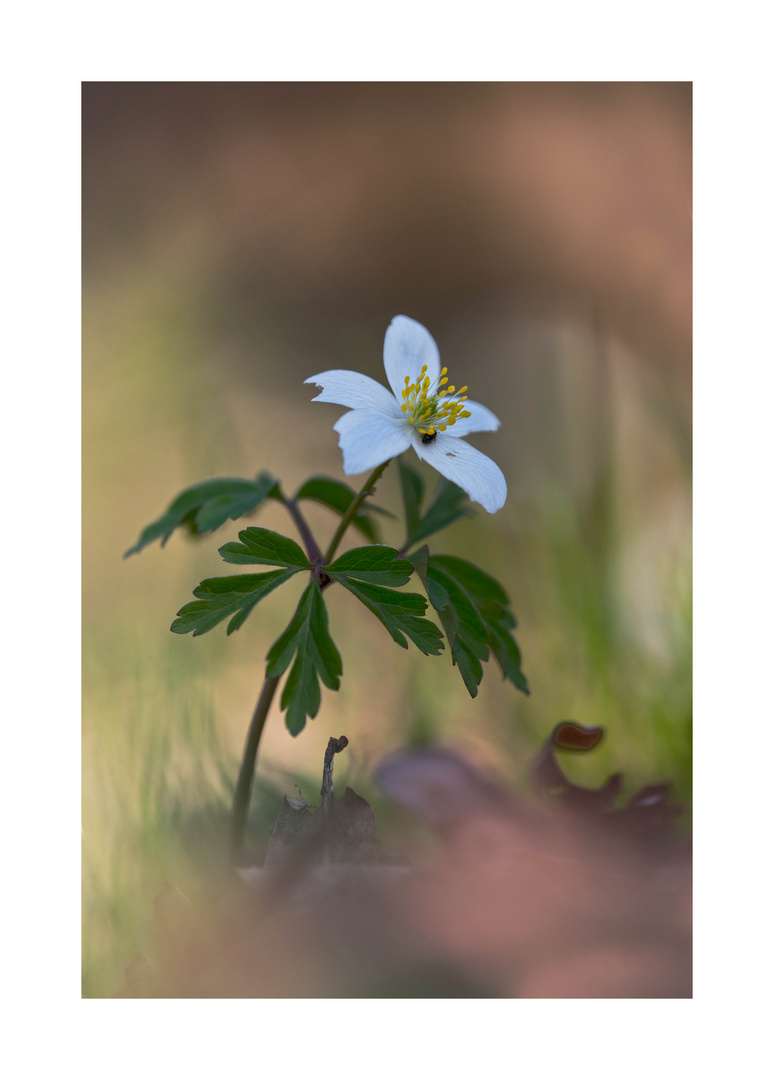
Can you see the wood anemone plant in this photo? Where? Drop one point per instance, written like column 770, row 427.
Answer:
column 472, row 608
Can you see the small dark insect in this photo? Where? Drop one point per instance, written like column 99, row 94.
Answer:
column 427, row 439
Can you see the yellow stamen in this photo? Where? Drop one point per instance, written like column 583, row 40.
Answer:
column 427, row 403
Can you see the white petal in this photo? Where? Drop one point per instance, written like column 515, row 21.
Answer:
column 480, row 419
column 407, row 347
column 356, row 391
column 368, row 438
column 466, row 467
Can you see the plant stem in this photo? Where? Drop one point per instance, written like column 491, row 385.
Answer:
column 354, row 506
column 312, row 550
column 244, row 784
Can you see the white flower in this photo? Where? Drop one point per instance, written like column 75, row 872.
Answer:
column 422, row 411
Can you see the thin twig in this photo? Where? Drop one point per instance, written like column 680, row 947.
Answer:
column 335, row 746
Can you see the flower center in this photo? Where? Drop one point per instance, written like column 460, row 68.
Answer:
column 430, row 407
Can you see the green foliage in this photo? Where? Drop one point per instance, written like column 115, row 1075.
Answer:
column 208, row 505
column 401, row 614
column 238, row 595
column 316, row 659
column 450, row 504
column 265, row 547
column 338, row 497
column 223, row 596
column 376, row 564
column 472, row 607
column 475, row 615
column 365, row 572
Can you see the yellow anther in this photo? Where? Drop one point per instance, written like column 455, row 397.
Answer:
column 428, row 402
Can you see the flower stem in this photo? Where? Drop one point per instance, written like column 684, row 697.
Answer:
column 354, row 506
column 244, row 784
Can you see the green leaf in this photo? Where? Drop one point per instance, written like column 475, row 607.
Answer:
column 464, row 628
column 376, row 564
column 450, row 504
column 474, row 612
column 481, row 586
column 265, row 547
column 365, row 572
column 401, row 613
column 208, row 505
column 224, row 596
column 338, row 497
column 316, row 659
column 507, row 654
column 437, row 595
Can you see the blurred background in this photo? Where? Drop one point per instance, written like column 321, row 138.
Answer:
column 239, row 238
